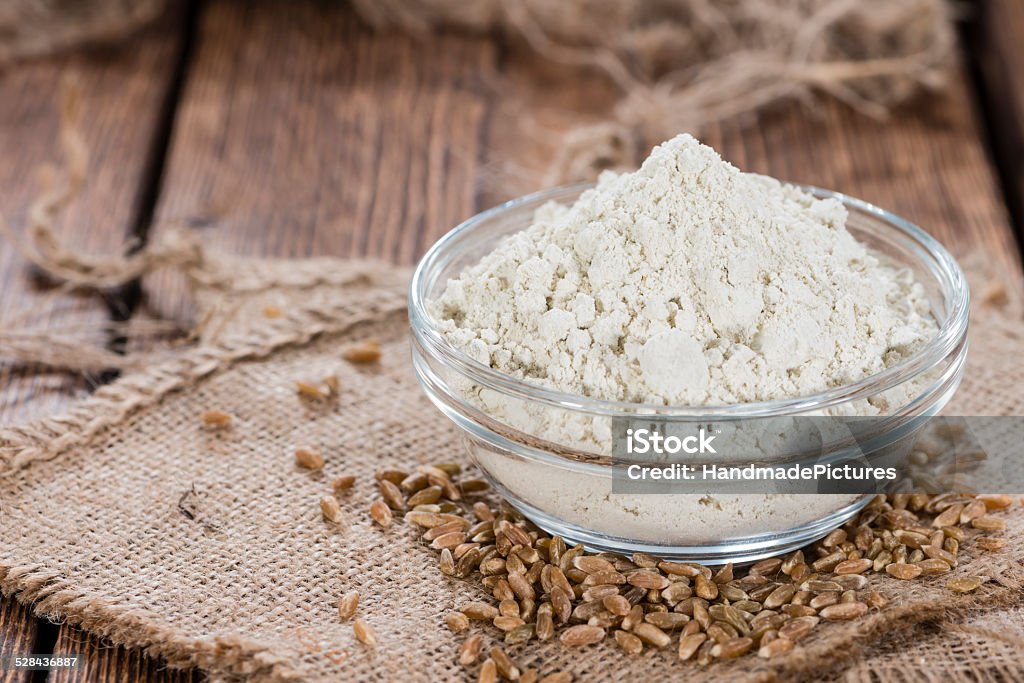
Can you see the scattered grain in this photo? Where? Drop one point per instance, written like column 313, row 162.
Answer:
column 364, row 632
column 380, row 513
column 310, row 391
column 343, row 483
column 363, row 352
column 348, row 604
column 456, row 621
column 990, row 543
column 965, row 584
column 215, row 418
column 488, row 672
column 308, row 459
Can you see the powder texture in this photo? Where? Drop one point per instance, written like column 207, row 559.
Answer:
column 686, row 282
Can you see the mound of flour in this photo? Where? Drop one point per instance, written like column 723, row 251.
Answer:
column 686, row 282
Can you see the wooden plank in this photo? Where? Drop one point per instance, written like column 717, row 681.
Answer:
column 927, row 163
column 105, row 663
column 17, row 635
column 123, row 93
column 997, row 37
column 301, row 132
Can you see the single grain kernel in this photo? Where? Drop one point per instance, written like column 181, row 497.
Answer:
column 651, row 634
column 965, row 584
column 364, row 632
column 308, row 459
column 996, row 501
column 215, row 418
column 629, row 643
column 579, row 636
column 988, row 523
column 381, row 513
column 844, row 611
column 343, row 483
column 858, row 566
column 776, row 647
column 488, row 672
column 506, row 667
column 363, row 352
column 688, row 645
column 309, row 391
column 330, row 509
column 732, row 648
column 990, row 543
column 456, row 621
column 479, row 611
column 903, row 571
column 470, row 649
column 348, row 604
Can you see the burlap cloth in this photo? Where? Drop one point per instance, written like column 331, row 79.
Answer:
column 127, row 517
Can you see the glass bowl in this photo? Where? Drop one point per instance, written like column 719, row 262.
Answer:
column 548, row 452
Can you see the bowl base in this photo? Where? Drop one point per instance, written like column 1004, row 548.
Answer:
column 738, row 551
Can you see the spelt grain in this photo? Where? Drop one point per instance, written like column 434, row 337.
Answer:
column 629, row 643
column 215, row 418
column 651, row 634
column 844, row 611
column 343, row 483
column 990, row 543
column 965, row 584
column 776, row 647
column 479, row 611
column 308, row 459
column 381, row 513
column 348, row 604
column 364, row 632
column 488, row 672
column 363, row 352
column 309, row 391
column 330, row 509
column 732, row 648
column 470, row 649
column 579, row 636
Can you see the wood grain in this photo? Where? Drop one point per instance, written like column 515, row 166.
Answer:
column 17, row 634
column 998, row 43
column 927, row 163
column 122, row 95
column 122, row 92
column 105, row 663
column 301, row 132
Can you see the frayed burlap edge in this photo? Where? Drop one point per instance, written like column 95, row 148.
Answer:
column 52, row 596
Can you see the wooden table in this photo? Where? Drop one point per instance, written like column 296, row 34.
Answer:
column 294, row 130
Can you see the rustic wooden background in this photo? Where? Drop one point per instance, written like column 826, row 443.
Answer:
column 291, row 129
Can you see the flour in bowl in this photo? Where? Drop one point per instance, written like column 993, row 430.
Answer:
column 687, row 282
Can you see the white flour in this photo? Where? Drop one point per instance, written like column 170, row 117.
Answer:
column 686, row 283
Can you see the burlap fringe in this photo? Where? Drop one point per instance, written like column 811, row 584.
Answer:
column 51, row 596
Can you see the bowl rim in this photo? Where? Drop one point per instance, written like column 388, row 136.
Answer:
column 938, row 260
